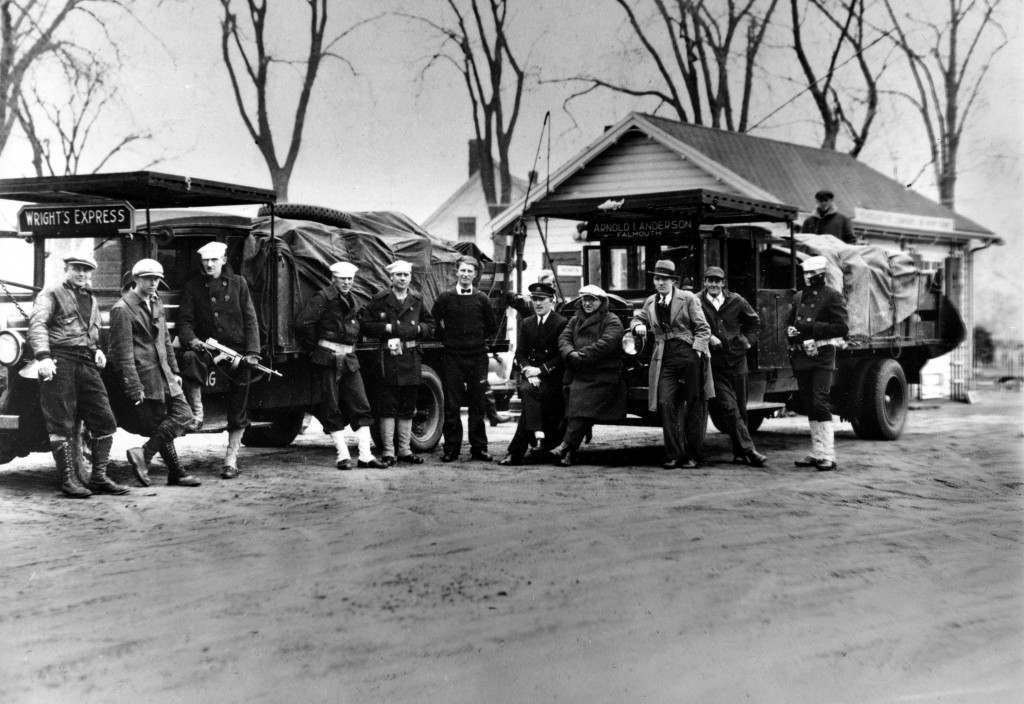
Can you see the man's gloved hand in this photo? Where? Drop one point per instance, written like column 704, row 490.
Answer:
column 196, row 345
column 101, row 359
column 47, row 368
column 251, row 359
column 640, row 330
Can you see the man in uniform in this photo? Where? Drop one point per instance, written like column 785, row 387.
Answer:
column 397, row 319
column 826, row 220
column 540, row 367
column 817, row 324
column 328, row 327
column 734, row 325
column 64, row 331
column 465, row 322
column 143, row 362
column 675, row 383
column 217, row 304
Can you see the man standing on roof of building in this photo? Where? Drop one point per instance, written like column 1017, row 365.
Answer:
column 143, row 363
column 216, row 304
column 826, row 220
column 465, row 323
column 64, row 332
column 397, row 319
column 328, row 328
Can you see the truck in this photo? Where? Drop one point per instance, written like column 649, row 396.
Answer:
column 900, row 315
column 283, row 252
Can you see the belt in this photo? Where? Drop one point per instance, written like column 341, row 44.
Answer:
column 337, row 347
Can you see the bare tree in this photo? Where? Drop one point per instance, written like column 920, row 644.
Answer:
column 948, row 58
column 70, row 122
column 475, row 40
column 701, row 51
column 247, row 59
column 33, row 31
column 850, row 39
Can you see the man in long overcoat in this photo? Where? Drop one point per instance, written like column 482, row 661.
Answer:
column 677, row 380
column 397, row 319
column 142, row 360
column 734, row 325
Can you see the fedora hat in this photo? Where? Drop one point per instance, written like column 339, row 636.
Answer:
column 665, row 267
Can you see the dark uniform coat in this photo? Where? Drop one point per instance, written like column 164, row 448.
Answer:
column 220, row 308
column 597, row 390
column 410, row 322
column 141, row 355
column 736, row 324
column 543, row 405
column 819, row 313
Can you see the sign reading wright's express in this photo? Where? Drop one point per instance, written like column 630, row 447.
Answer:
column 104, row 220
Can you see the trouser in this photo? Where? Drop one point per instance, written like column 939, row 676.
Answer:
column 465, row 383
column 164, row 419
column 542, row 408
column 76, row 391
column 576, row 429
column 815, row 386
column 679, row 394
column 344, row 402
column 236, row 400
column 728, row 409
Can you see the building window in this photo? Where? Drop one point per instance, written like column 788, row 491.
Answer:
column 467, row 229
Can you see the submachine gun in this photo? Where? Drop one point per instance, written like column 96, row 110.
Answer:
column 223, row 353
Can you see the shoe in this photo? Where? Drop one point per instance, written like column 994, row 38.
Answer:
column 481, row 455
column 229, row 472
column 344, row 465
column 755, row 458
column 389, row 460
column 564, row 460
column 447, row 456
column 372, row 463
column 183, row 480
column 407, row 459
column 808, row 461
column 510, row 461
column 826, row 466
column 687, row 463
column 140, row 467
column 669, row 463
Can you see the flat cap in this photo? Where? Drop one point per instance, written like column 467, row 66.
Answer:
column 81, row 259
column 148, row 267
column 824, row 194
column 592, row 290
column 714, row 271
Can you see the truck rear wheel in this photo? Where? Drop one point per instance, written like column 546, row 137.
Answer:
column 428, row 419
column 279, row 433
column 880, row 409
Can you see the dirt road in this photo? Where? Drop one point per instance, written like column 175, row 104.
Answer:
column 898, row 579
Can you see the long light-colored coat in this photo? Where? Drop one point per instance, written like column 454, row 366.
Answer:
column 686, row 322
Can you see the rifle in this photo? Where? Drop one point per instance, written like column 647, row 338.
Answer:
column 226, row 354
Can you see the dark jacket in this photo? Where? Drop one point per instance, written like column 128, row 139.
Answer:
column 56, row 321
column 819, row 313
column 329, row 315
column 736, row 324
column 834, row 223
column 464, row 323
column 410, row 322
column 596, row 388
column 220, row 308
column 538, row 346
column 141, row 356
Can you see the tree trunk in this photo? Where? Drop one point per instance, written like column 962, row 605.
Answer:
column 280, row 178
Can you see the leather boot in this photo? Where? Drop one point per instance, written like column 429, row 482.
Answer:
column 176, row 475
column 194, row 396
column 99, row 482
column 61, row 450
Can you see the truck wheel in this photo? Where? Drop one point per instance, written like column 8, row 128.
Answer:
column 428, row 419
column 881, row 407
column 315, row 213
column 280, row 433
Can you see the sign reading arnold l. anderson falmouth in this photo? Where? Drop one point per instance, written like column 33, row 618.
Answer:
column 638, row 229
column 102, row 220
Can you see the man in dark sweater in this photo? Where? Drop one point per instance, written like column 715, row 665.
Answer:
column 826, row 220
column 465, row 322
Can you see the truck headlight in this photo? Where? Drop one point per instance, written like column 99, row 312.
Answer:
column 11, row 346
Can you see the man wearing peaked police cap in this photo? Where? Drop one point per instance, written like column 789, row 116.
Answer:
column 217, row 304
column 398, row 320
column 64, row 332
column 328, row 328
column 676, row 378
column 734, row 325
column 143, row 363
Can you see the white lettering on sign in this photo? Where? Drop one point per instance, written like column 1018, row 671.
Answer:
column 903, row 220
column 76, row 219
column 638, row 227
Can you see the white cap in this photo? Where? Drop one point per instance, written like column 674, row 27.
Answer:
column 592, row 290
column 212, row 250
column 399, row 267
column 814, row 264
column 344, row 269
column 148, row 267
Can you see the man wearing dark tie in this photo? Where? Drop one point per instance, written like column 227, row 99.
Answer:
column 540, row 368
column 734, row 325
column 675, row 381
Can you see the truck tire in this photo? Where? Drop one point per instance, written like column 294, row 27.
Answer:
column 428, row 419
column 314, row 213
column 280, row 433
column 880, row 409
